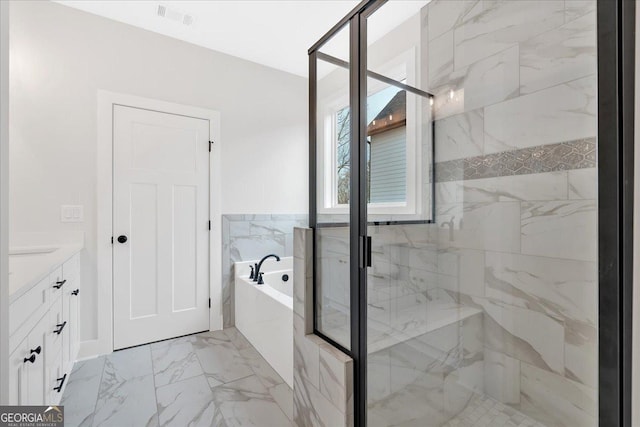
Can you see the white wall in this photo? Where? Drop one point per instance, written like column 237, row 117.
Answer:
column 4, row 206
column 60, row 57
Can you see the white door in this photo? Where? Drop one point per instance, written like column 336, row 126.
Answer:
column 161, row 208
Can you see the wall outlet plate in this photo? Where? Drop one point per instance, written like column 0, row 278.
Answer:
column 72, row 213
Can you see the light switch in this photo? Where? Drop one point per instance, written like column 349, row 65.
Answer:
column 72, row 213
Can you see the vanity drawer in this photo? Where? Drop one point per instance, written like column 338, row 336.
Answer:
column 24, row 308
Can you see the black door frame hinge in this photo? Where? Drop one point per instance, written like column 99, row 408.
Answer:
column 209, row 225
column 210, row 144
column 209, row 302
column 112, row 240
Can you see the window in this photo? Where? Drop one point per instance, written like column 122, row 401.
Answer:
column 386, row 153
column 396, row 145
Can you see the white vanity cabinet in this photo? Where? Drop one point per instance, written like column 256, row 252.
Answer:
column 28, row 376
column 44, row 340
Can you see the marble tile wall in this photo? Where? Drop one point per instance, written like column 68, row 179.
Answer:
column 515, row 235
column 429, row 379
column 516, row 193
column 322, row 375
column 248, row 237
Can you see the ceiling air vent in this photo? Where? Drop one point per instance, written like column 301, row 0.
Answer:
column 174, row 15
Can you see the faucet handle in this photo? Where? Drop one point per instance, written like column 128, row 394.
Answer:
column 260, row 280
column 251, row 274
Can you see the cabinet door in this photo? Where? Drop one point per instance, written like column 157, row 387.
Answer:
column 74, row 320
column 66, row 317
column 71, row 272
column 55, row 380
column 18, row 369
column 36, row 375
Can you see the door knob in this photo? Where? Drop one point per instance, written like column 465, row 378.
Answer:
column 122, row 238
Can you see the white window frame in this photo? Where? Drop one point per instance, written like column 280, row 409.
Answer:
column 401, row 68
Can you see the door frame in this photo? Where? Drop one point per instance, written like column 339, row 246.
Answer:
column 106, row 102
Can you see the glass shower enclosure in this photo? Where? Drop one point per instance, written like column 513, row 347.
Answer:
column 454, row 202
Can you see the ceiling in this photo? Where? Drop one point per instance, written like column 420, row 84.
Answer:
column 275, row 33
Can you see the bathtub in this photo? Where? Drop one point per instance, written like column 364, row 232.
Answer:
column 264, row 313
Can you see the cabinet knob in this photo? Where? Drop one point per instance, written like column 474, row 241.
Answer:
column 31, row 359
column 76, row 292
column 37, row 350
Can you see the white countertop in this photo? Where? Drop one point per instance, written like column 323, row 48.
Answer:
column 25, row 271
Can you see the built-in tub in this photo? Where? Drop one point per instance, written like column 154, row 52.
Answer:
column 264, row 313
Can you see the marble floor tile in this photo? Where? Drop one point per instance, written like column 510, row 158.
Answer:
column 247, row 402
column 207, row 339
column 174, row 362
column 188, row 403
column 416, row 404
column 123, row 365
column 123, row 389
column 483, row 411
column 223, row 362
column 237, row 338
column 126, row 403
column 81, row 392
column 267, row 375
column 283, row 395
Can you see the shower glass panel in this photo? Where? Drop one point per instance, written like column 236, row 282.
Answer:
column 333, row 186
column 488, row 314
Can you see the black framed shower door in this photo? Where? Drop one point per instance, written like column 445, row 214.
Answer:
column 615, row 82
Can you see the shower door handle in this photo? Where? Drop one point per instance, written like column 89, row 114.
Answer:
column 365, row 251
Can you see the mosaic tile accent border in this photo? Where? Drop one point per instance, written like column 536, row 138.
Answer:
column 578, row 154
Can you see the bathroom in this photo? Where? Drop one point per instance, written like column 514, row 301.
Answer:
column 388, row 213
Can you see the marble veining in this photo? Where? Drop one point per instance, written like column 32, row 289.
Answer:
column 560, row 55
column 177, row 383
column 484, row 411
column 565, row 112
column 247, row 237
column 502, row 24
